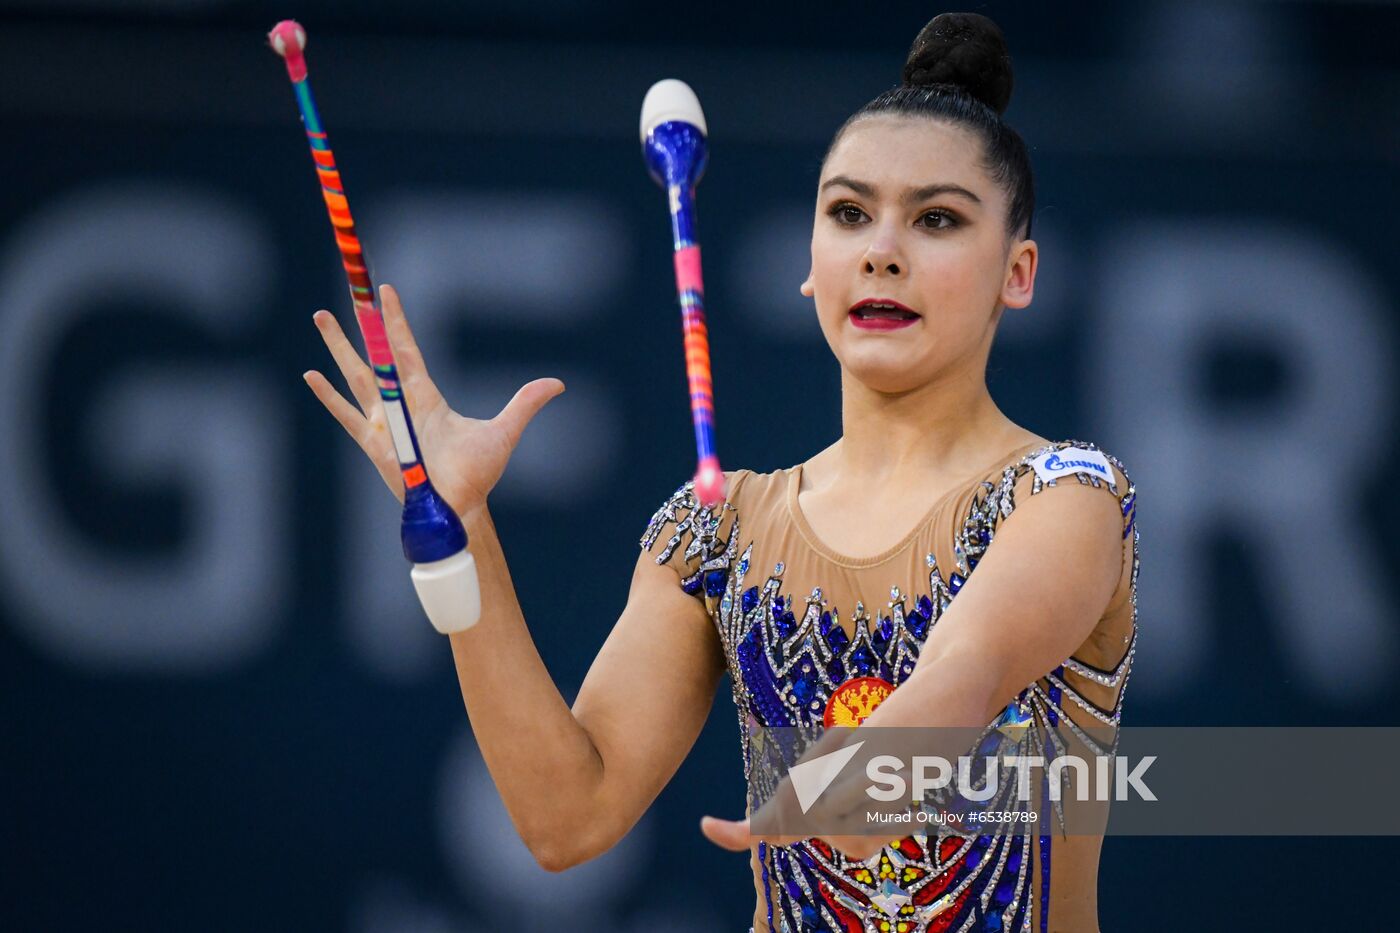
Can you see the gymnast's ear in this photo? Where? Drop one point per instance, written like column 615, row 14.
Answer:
column 1022, row 263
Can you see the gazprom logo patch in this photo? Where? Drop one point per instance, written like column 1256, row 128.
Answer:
column 1069, row 460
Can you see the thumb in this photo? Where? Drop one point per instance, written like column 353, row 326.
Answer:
column 727, row 834
column 528, row 401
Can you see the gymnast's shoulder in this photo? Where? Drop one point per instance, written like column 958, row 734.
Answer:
column 753, row 494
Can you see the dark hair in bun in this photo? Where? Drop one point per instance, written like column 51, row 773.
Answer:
column 966, row 50
column 959, row 71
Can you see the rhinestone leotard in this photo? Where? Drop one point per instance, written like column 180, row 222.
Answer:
column 787, row 653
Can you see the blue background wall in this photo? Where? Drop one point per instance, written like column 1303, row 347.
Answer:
column 221, row 707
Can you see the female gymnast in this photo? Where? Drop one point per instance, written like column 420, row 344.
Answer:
column 839, row 590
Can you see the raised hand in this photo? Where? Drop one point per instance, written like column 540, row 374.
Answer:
column 465, row 457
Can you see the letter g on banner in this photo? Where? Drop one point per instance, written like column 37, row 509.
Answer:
column 210, row 599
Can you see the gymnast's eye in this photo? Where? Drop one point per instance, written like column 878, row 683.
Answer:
column 938, row 219
column 845, row 213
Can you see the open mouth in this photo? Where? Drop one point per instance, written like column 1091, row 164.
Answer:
column 882, row 311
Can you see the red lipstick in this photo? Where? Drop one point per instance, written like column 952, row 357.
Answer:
column 881, row 314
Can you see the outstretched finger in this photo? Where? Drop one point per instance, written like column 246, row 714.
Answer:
column 358, row 376
column 413, row 371
column 738, row 835
column 354, row 423
column 727, row 834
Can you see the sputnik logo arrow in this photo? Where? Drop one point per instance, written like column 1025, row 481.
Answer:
column 811, row 778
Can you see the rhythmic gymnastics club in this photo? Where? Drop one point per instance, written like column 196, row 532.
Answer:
column 444, row 573
column 673, row 144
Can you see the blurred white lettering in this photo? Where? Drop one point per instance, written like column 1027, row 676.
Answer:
column 527, row 265
column 214, row 600
column 1284, row 476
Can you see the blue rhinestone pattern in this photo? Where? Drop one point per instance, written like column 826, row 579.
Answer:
column 787, row 654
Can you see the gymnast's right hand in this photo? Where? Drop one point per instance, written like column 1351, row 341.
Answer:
column 465, row 457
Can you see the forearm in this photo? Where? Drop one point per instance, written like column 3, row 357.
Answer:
column 942, row 693
column 544, row 762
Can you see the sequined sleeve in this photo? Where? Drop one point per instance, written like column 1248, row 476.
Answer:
column 698, row 543
column 1089, row 685
column 1071, row 461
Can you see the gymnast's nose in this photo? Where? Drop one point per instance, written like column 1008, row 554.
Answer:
column 882, row 256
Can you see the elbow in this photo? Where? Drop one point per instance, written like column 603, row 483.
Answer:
column 559, row 851
column 553, row 859
column 559, row 848
column 552, row 846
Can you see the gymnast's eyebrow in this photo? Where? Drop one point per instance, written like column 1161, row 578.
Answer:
column 911, row 196
column 859, row 187
column 915, row 195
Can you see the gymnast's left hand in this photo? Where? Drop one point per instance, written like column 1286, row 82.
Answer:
column 836, row 806
column 737, row 836
column 465, row 457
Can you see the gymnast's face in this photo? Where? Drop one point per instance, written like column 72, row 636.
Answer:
column 906, row 214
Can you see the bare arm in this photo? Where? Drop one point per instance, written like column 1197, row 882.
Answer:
column 1036, row 596
column 574, row 781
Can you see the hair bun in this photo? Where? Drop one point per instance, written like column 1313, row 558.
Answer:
column 964, row 49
